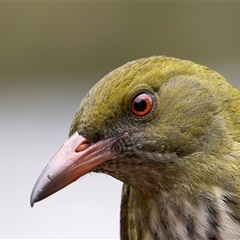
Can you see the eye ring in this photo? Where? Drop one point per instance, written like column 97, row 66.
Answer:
column 142, row 104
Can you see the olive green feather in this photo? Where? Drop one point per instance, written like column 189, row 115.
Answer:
column 180, row 163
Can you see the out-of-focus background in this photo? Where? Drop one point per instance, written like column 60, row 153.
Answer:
column 51, row 54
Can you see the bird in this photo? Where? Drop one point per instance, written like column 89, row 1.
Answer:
column 169, row 129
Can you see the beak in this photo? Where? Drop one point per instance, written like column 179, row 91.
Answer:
column 75, row 158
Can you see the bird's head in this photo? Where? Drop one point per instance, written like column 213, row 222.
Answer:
column 147, row 124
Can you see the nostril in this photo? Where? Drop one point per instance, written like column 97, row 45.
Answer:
column 82, row 146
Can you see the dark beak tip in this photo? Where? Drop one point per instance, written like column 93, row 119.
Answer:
column 32, row 200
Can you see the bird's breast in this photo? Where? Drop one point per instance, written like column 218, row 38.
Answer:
column 170, row 218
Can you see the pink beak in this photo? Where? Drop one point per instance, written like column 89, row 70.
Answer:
column 75, row 158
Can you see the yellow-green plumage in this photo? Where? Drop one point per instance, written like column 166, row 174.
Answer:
column 180, row 164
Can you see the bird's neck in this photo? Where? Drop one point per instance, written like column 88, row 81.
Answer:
column 165, row 216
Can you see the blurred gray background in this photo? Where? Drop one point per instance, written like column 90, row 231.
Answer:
column 51, row 54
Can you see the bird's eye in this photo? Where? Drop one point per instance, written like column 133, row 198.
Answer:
column 142, row 104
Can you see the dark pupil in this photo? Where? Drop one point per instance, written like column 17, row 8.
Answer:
column 140, row 104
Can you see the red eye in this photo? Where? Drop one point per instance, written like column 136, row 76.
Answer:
column 142, row 104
